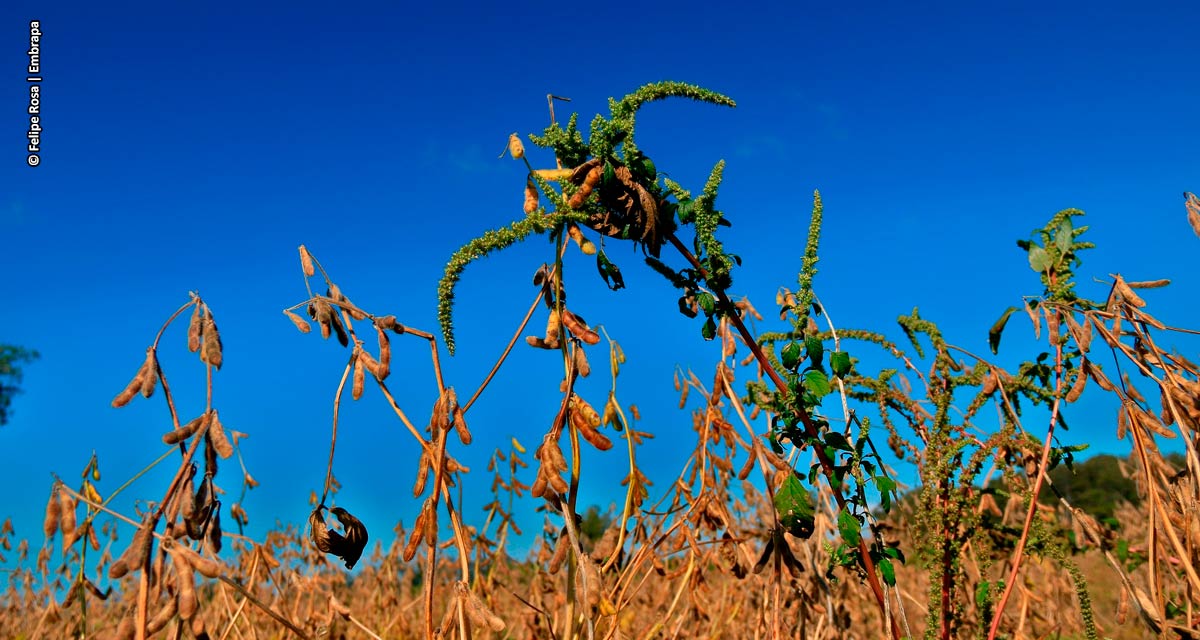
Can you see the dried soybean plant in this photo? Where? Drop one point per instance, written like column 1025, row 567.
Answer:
column 335, row 314
column 785, row 520
column 176, row 536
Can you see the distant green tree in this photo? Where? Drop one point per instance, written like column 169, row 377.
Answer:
column 594, row 524
column 11, row 359
column 1097, row 486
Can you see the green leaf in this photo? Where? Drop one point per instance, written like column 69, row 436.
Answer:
column 848, row 526
column 886, row 487
column 1039, row 260
column 790, row 356
column 684, row 211
column 707, row 302
column 795, row 508
column 888, row 571
column 839, row 361
column 774, row 442
column 709, row 330
column 648, row 169
column 1064, row 237
column 838, row 441
column 816, row 350
column 816, row 383
column 998, row 328
column 983, row 594
column 885, row 484
column 609, row 271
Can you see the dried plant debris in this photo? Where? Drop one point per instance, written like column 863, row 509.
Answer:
column 203, row 505
column 1193, row 211
column 328, row 318
column 348, row 546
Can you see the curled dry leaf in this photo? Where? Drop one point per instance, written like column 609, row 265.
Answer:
column 348, row 547
column 300, row 323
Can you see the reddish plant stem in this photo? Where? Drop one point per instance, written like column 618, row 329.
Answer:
column 1019, row 554
column 947, row 562
column 810, row 429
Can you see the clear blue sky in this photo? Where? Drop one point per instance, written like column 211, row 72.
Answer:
column 194, row 149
